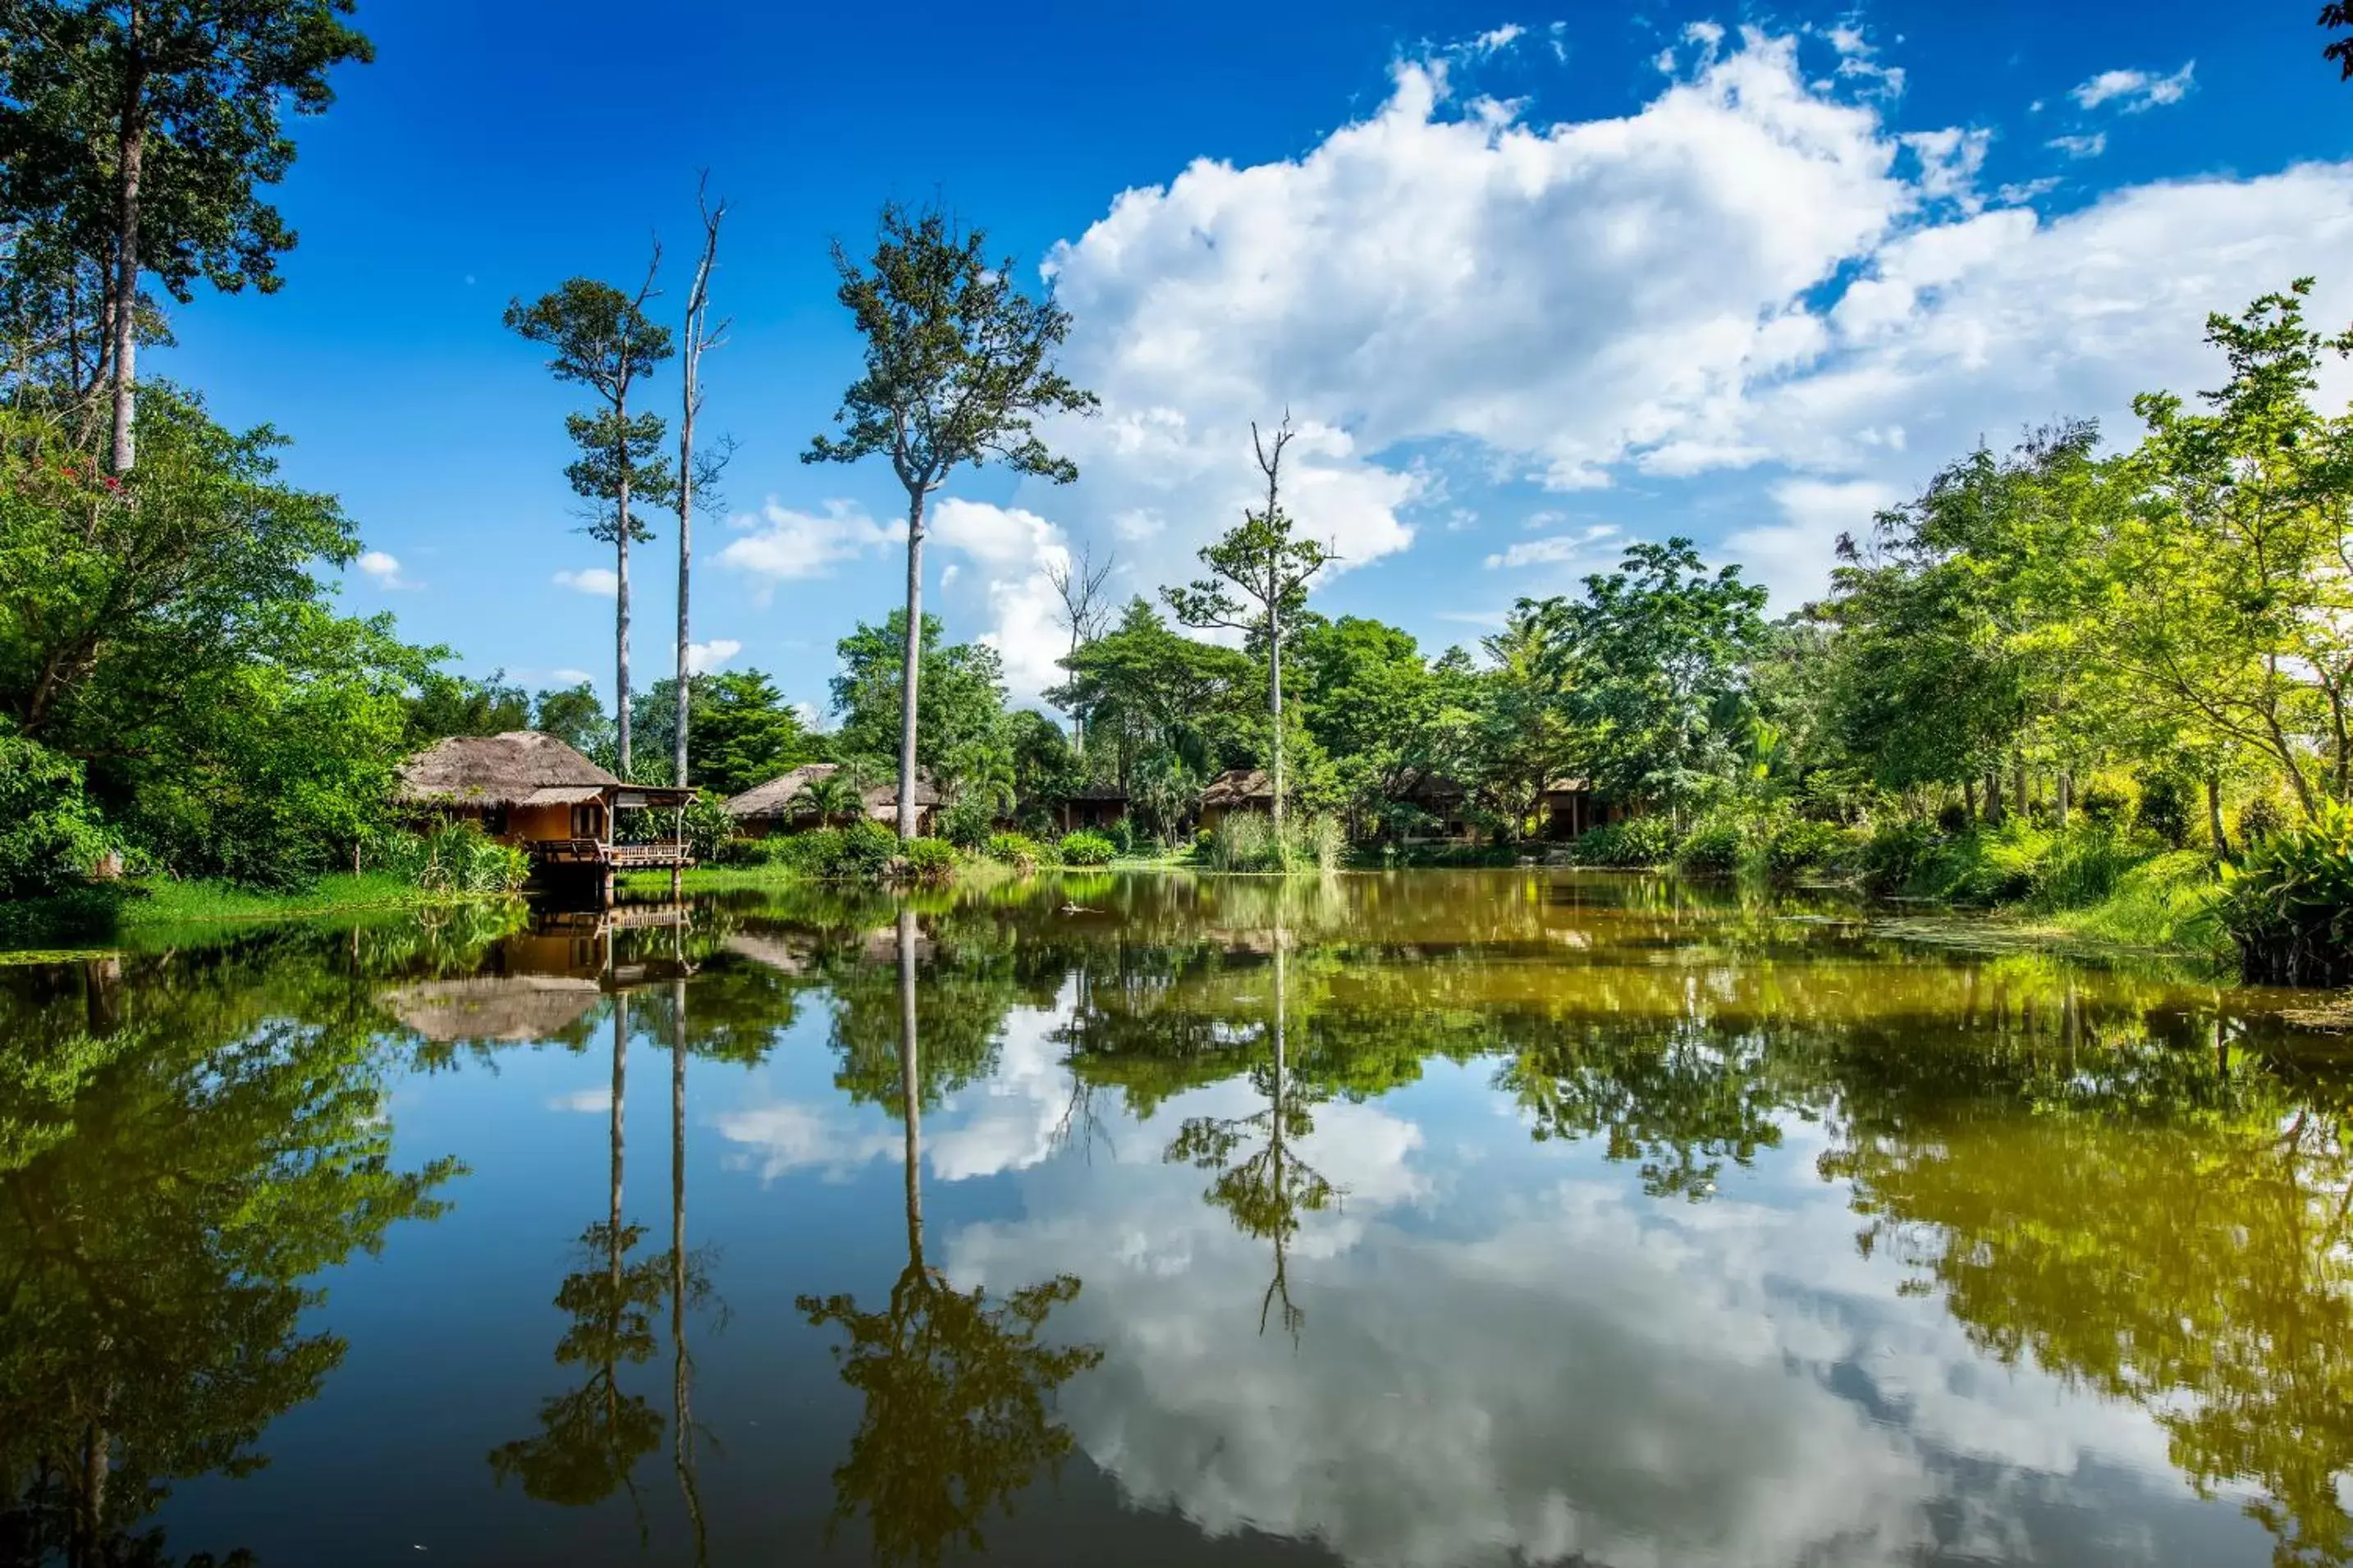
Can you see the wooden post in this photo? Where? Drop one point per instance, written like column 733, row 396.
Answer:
column 605, row 886
column 676, row 881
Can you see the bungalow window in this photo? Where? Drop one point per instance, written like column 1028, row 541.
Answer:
column 586, row 820
column 494, row 820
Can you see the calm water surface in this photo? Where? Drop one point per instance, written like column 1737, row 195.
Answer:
column 1426, row 1219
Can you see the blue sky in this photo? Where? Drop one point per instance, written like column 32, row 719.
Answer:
column 1536, row 282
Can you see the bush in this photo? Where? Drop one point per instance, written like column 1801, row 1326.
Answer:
column 1085, row 848
column 2108, row 806
column 968, row 822
column 2261, row 818
column 862, row 852
column 1017, row 850
column 2164, row 808
column 1637, row 841
column 51, row 836
column 708, row 827
column 1711, row 848
column 1800, row 843
column 1897, row 853
column 2288, row 905
column 455, row 857
column 927, row 860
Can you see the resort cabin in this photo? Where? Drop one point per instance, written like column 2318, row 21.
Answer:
column 776, row 806
column 534, row 791
column 1443, row 799
column 1092, row 807
column 1570, row 808
column 1236, row 789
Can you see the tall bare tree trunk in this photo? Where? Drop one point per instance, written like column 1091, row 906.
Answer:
column 131, row 153
column 621, row 597
column 1274, row 701
column 910, row 669
column 685, row 548
column 696, row 338
column 2066, row 787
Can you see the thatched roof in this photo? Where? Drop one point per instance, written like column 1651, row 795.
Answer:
column 774, row 798
column 493, row 1008
column 1427, row 785
column 1237, row 786
column 522, row 767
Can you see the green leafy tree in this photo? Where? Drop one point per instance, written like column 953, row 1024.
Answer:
column 1169, row 707
column 1662, row 649
column 600, row 338
column 959, row 366
column 141, row 132
column 2229, row 591
column 1260, row 572
column 448, row 704
column 961, row 702
column 575, row 716
column 50, row 835
column 169, row 632
column 741, row 733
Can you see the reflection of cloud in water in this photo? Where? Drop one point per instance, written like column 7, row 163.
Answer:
column 784, row 1137
column 1570, row 1370
column 598, row 1100
column 1007, row 1121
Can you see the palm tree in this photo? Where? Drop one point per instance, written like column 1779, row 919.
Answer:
column 834, row 797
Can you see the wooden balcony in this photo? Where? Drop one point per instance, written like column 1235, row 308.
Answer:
column 597, row 855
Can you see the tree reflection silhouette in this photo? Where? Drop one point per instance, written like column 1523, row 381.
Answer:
column 1267, row 1190
column 167, row 1189
column 956, row 1384
column 590, row 1437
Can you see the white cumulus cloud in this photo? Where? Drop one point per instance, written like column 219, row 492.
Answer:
column 383, row 569
column 601, row 581
column 2135, row 91
column 702, row 658
column 780, row 544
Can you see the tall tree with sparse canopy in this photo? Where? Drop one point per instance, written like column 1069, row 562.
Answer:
column 138, row 133
column 602, row 338
column 959, row 364
column 1271, row 568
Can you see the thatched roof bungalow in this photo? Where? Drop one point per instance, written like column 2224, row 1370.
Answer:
column 533, row 791
column 1236, row 789
column 777, row 807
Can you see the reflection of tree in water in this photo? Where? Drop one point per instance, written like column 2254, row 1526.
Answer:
column 1267, row 1190
column 591, row 1437
column 2170, row 1227
column 956, row 1384
column 1681, row 1098
column 168, row 1187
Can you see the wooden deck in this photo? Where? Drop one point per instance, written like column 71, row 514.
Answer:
column 596, row 854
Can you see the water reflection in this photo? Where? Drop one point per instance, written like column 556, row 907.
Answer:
column 1601, row 1219
column 956, row 1387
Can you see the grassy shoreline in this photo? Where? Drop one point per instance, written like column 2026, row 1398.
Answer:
column 94, row 920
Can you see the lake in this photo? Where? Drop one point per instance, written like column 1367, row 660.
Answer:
column 1413, row 1219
